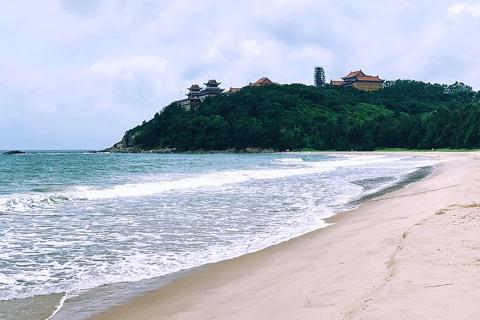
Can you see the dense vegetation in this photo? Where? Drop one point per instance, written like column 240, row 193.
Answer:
column 405, row 114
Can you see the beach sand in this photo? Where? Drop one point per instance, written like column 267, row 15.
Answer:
column 410, row 254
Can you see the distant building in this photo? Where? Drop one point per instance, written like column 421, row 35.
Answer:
column 193, row 98
column 196, row 94
column 195, row 91
column 359, row 80
column 263, row 82
column 211, row 89
column 338, row 83
column 234, row 90
column 319, row 77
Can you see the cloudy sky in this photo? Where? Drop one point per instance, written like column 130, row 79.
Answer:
column 75, row 74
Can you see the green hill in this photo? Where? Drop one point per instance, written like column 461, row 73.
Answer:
column 405, row 114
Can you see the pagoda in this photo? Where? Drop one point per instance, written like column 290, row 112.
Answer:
column 211, row 89
column 359, row 80
column 194, row 91
column 197, row 94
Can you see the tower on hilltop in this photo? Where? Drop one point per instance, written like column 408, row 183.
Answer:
column 319, row 77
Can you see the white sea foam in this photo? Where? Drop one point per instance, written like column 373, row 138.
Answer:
column 59, row 306
column 139, row 266
column 289, row 161
column 119, row 233
column 22, row 203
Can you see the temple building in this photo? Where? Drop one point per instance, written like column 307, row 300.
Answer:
column 195, row 91
column 262, row 82
column 359, row 80
column 234, row 90
column 211, row 89
column 197, row 94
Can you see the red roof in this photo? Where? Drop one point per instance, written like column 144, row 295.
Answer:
column 360, row 76
column 369, row 78
column 263, row 81
column 353, row 74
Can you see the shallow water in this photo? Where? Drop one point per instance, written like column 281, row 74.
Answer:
column 70, row 222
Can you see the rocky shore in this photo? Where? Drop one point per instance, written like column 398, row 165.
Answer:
column 120, row 148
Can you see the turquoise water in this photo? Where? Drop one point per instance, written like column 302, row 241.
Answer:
column 73, row 221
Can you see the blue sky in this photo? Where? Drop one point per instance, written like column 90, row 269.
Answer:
column 77, row 74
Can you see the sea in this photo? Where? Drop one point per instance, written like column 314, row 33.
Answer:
column 81, row 231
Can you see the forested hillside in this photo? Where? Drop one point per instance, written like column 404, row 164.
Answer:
column 406, row 114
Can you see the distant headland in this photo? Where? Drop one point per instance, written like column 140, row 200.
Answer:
column 358, row 112
column 13, row 152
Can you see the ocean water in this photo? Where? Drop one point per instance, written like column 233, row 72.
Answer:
column 71, row 222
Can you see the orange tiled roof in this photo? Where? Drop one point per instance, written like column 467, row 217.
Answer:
column 369, row 78
column 263, row 81
column 353, row 74
column 361, row 76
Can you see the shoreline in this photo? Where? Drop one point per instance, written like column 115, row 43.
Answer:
column 267, row 150
column 196, row 295
column 98, row 299
column 92, row 298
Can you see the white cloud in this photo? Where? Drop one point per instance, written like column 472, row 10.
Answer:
column 106, row 65
column 128, row 66
column 469, row 8
column 252, row 47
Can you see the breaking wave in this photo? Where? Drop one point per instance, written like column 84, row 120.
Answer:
column 48, row 197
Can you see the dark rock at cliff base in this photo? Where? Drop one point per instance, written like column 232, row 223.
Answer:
column 14, row 152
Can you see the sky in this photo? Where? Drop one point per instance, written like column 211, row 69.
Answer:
column 78, row 74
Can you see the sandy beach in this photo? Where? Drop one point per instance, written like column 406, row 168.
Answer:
column 410, row 254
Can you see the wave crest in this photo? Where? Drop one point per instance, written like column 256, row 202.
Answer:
column 49, row 197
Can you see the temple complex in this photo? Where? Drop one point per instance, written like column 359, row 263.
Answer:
column 359, row 80
column 197, row 94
